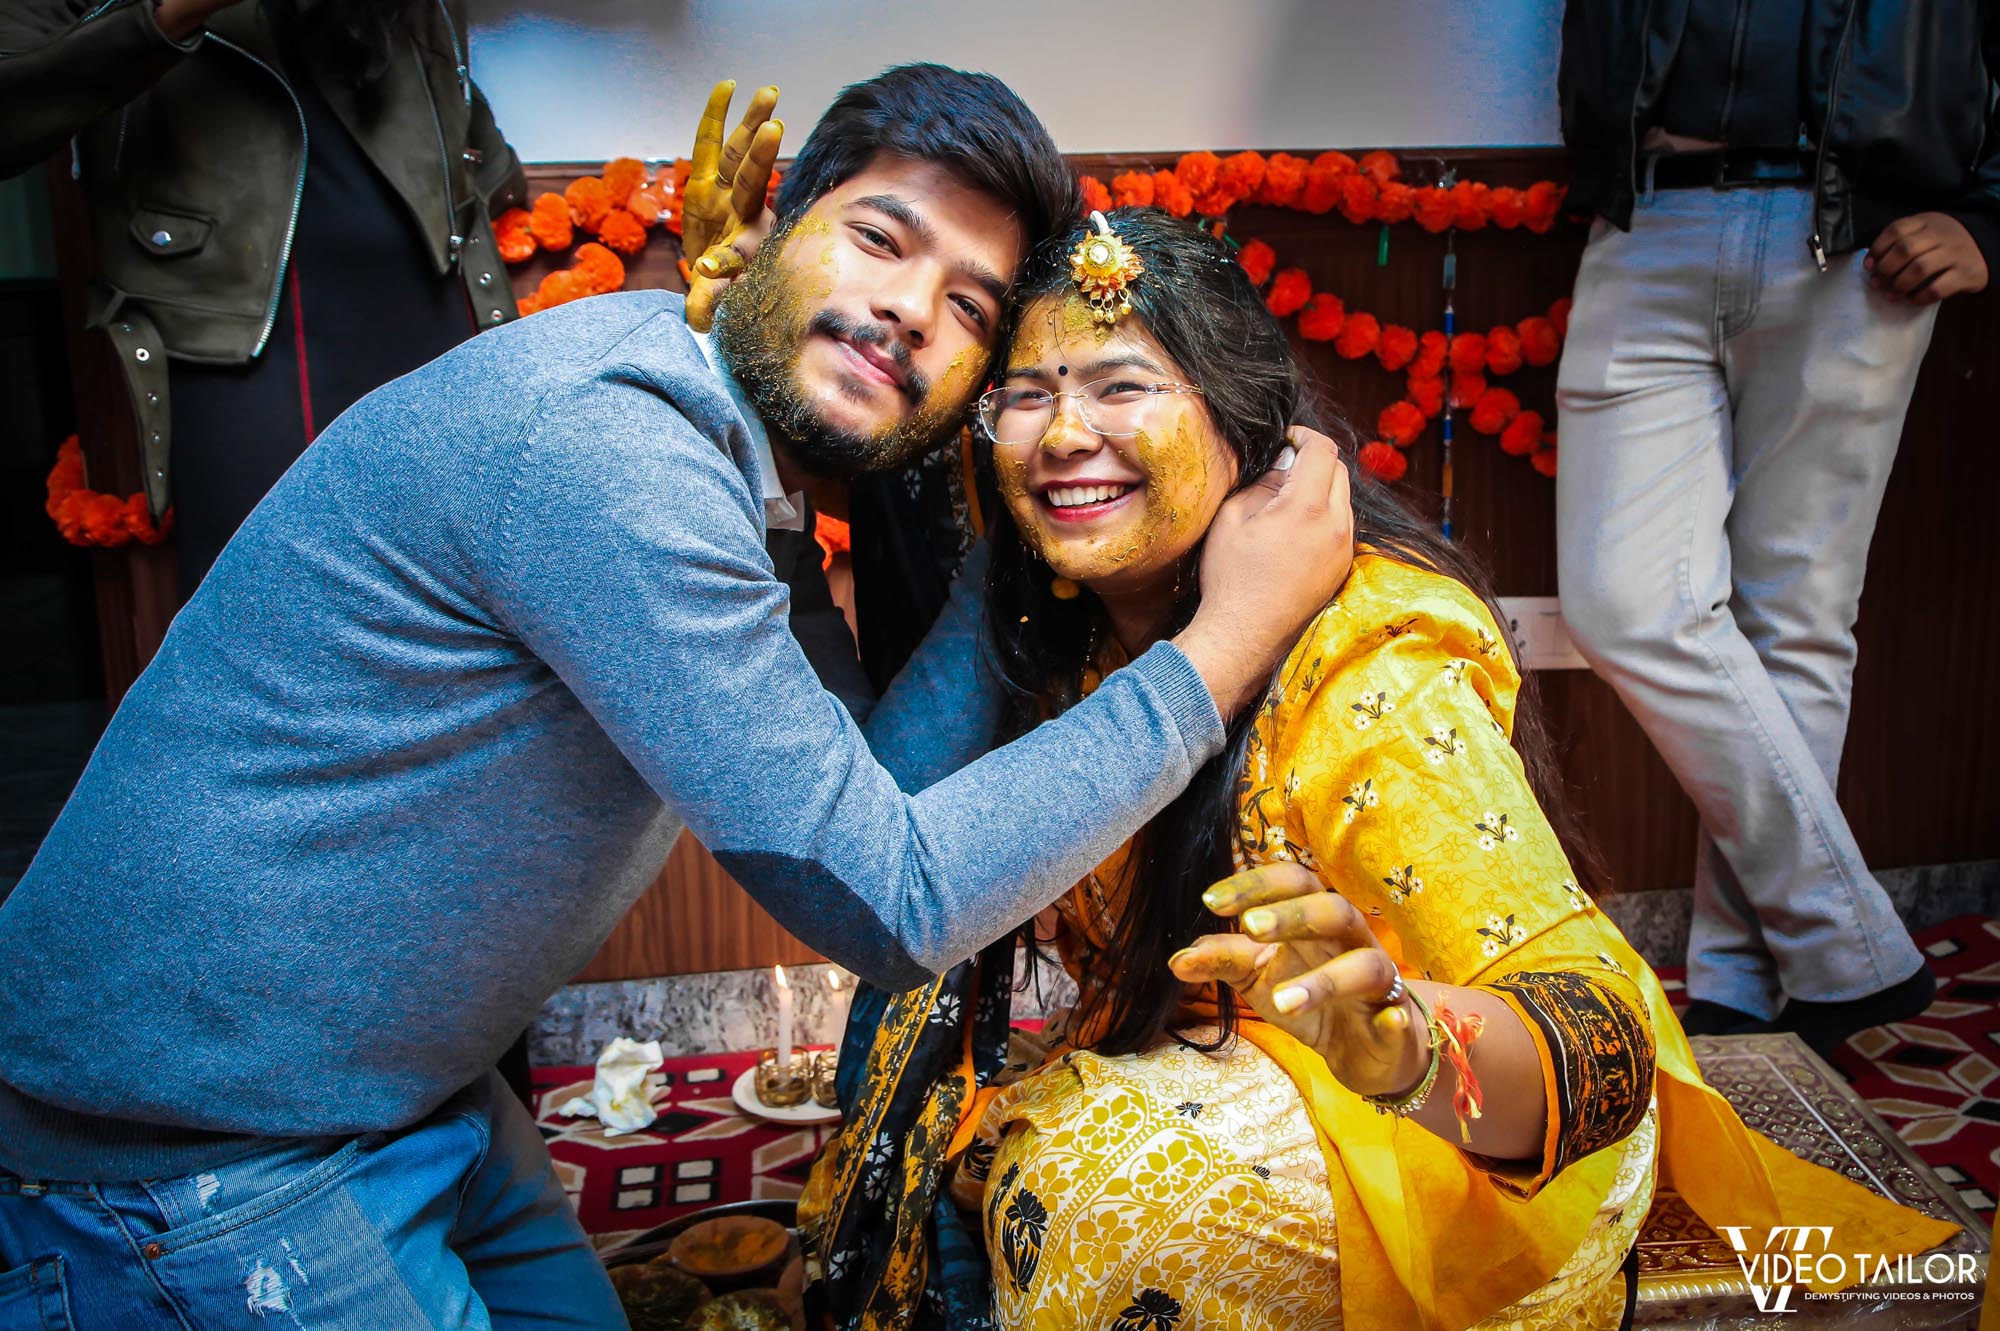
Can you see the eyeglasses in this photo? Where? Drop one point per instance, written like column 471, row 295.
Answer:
column 1114, row 407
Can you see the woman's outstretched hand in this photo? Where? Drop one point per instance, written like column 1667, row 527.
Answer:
column 1307, row 963
column 722, row 211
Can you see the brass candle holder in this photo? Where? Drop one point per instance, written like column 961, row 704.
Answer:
column 825, row 1064
column 782, row 1087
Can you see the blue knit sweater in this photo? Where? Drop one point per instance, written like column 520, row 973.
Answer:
column 435, row 719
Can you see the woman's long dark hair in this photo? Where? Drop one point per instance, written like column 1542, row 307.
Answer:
column 1199, row 305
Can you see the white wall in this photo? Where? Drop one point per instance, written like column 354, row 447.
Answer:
column 590, row 79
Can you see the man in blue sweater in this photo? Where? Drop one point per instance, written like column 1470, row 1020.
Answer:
column 443, row 705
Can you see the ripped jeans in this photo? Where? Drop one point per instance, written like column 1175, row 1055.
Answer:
column 456, row 1222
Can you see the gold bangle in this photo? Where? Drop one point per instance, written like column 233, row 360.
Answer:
column 1412, row 1100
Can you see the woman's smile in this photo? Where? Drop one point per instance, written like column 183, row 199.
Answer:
column 1086, row 500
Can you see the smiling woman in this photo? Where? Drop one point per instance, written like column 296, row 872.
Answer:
column 1285, row 1094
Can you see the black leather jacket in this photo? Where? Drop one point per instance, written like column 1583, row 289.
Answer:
column 191, row 158
column 1900, row 104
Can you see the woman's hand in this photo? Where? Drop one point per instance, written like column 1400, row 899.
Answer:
column 722, row 210
column 1307, row 963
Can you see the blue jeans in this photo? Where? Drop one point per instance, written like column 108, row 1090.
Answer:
column 1729, row 416
column 456, row 1222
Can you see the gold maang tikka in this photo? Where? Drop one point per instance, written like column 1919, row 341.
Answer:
column 1103, row 266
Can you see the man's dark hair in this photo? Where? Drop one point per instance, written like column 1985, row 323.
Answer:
column 972, row 125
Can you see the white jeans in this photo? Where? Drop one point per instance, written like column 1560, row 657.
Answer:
column 1728, row 418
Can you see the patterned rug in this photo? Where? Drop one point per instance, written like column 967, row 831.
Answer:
column 1935, row 1080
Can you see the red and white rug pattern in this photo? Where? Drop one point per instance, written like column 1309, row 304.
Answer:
column 701, row 1151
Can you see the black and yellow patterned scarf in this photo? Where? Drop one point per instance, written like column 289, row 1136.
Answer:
column 894, row 1253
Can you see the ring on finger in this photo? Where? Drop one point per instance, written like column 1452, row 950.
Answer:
column 1394, row 994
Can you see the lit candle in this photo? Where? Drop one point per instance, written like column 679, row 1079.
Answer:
column 784, row 1021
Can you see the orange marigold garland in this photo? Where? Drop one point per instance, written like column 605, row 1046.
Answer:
column 85, row 517
column 1370, row 190
column 1469, row 357
column 622, row 204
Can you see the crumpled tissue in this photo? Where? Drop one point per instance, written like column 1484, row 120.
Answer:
column 621, row 1097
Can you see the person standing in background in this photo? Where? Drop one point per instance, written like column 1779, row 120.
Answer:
column 1785, row 190
column 290, row 199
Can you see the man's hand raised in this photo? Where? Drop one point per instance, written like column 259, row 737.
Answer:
column 1275, row 555
column 722, row 210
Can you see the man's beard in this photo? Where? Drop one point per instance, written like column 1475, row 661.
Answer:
column 761, row 325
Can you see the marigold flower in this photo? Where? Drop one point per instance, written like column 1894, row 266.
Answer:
column 1398, row 347
column 1545, row 459
column 1431, row 349
column 1323, row 317
column 599, row 269
column 1170, row 194
column 548, row 222
column 646, row 205
column 622, row 232
column 588, row 202
column 1337, row 162
column 1468, row 353
column 1132, row 189
column 1380, row 166
column 1095, row 196
column 1540, row 344
column 1383, row 461
column 1216, row 201
column 1396, row 202
column 557, row 288
column 1544, row 203
column 1503, row 350
column 512, row 236
column 1322, row 190
column 1257, row 259
column 1508, row 207
column 1427, row 392
column 1493, row 409
column 1435, row 210
column 1284, row 178
column 622, row 175
column 1241, row 173
column 1289, row 292
column 1358, row 196
column 1523, row 434
column 1196, row 171
column 1463, row 390
column 1400, row 423
column 1559, row 316
column 1358, row 336
column 1468, row 198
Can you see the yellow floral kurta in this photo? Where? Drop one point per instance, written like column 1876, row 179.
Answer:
column 1383, row 760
